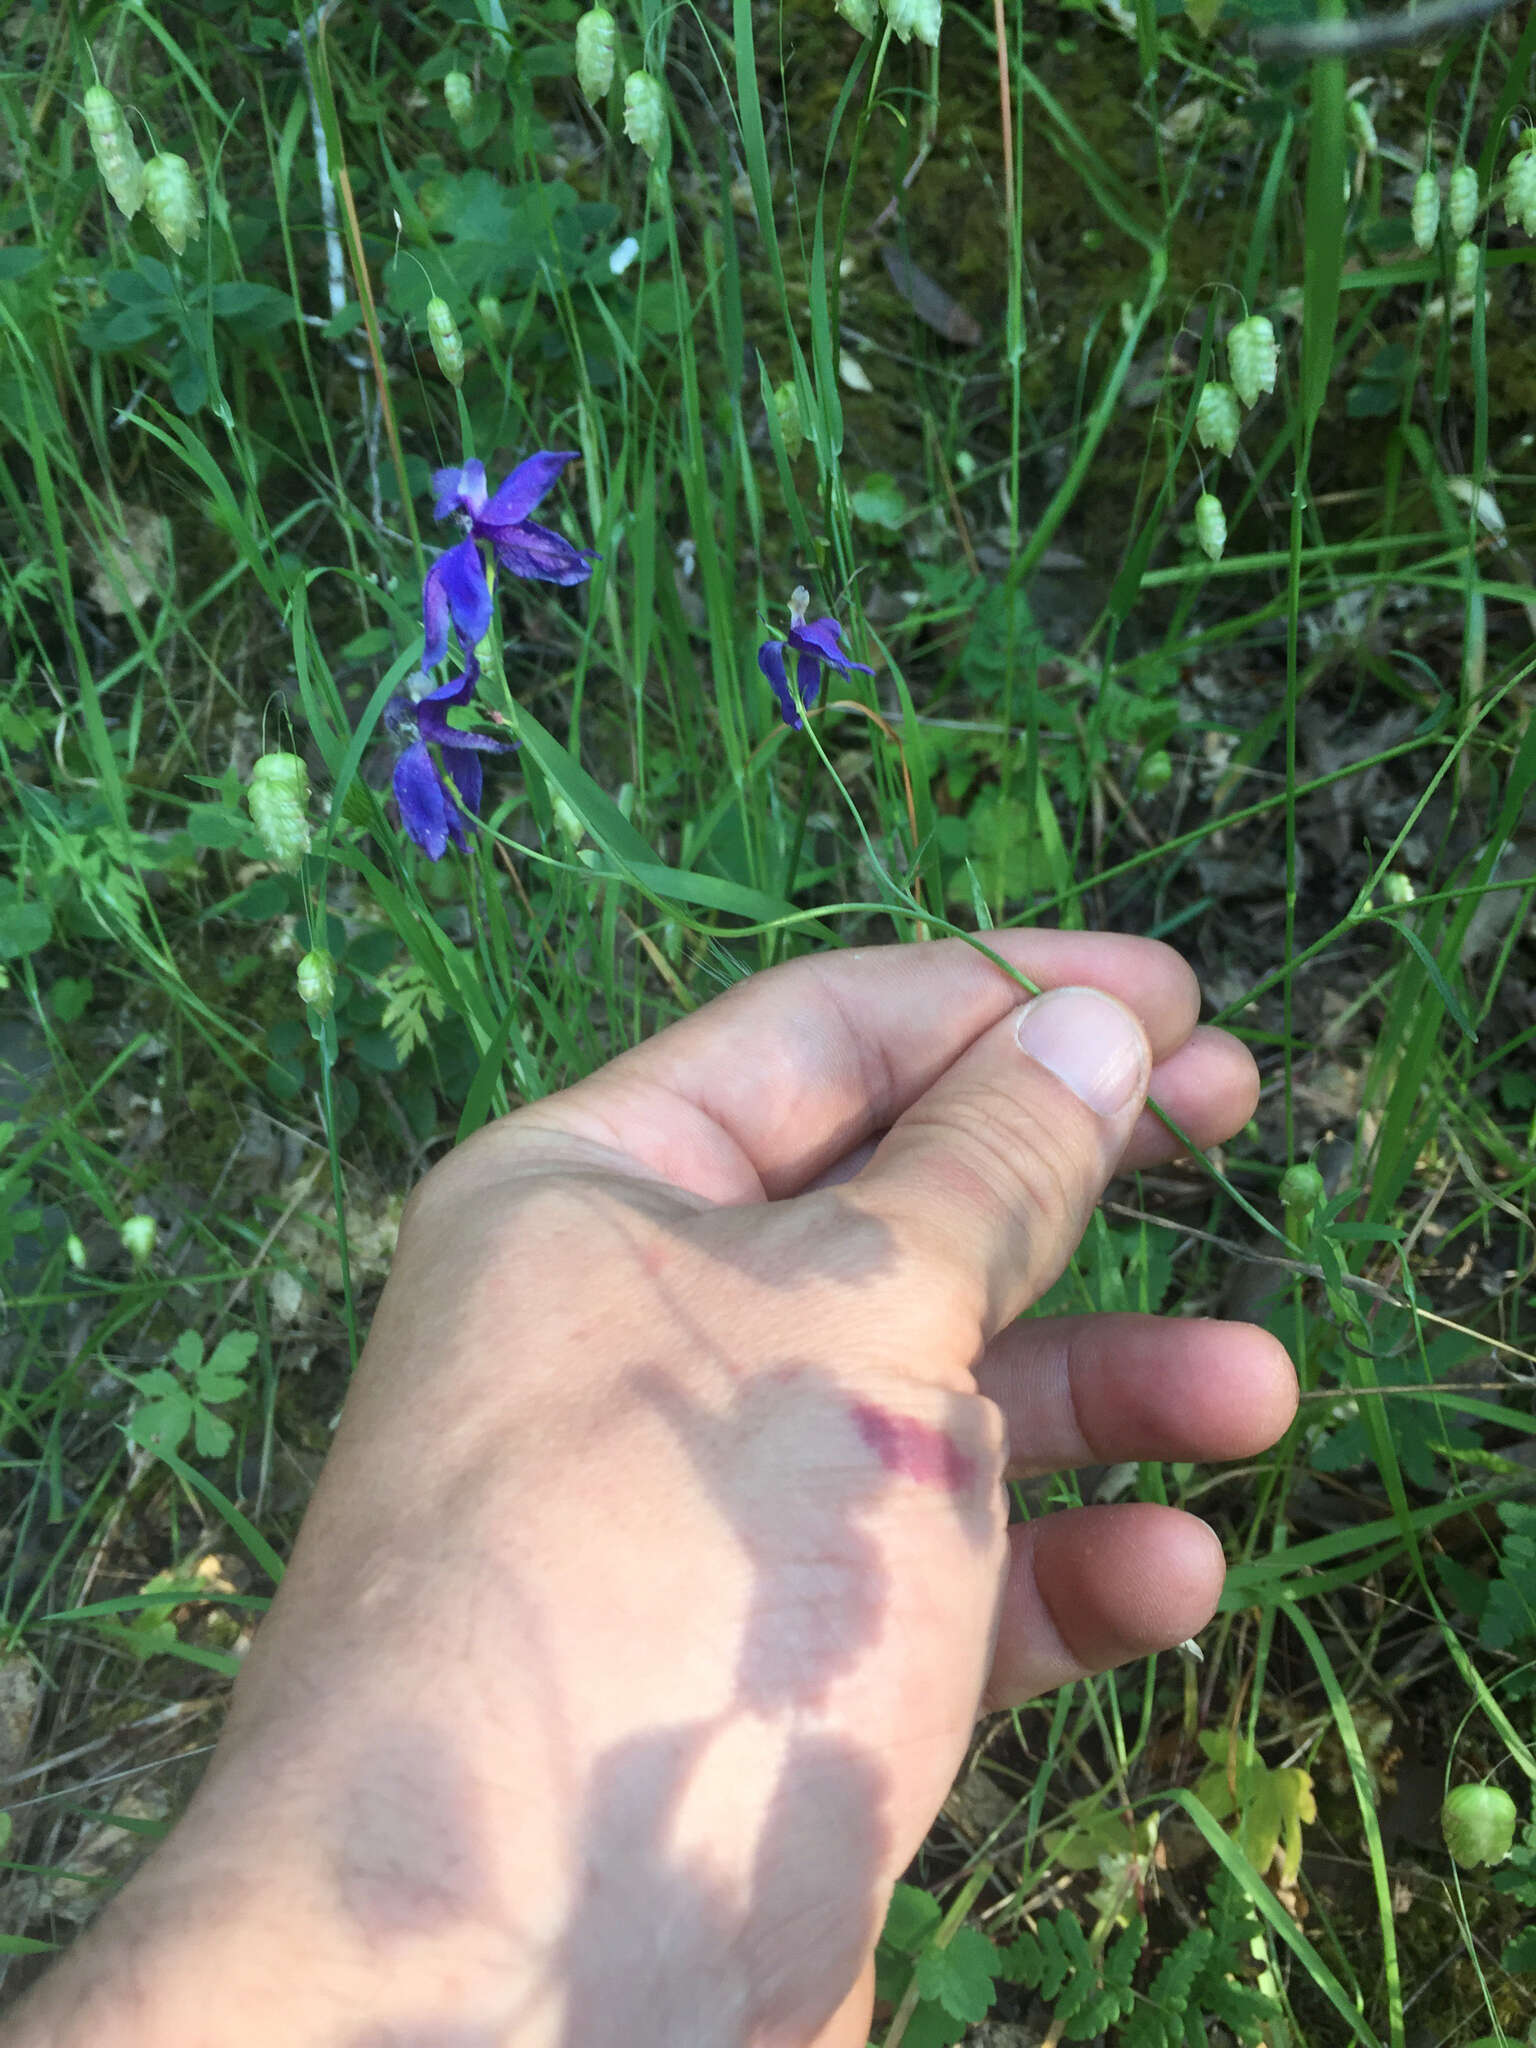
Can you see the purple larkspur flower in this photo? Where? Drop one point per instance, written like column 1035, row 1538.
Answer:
column 458, row 585
column 815, row 641
column 438, row 775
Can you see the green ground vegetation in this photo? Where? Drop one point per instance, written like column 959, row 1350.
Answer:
column 926, row 330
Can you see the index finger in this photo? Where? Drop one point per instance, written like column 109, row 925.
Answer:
column 766, row 1087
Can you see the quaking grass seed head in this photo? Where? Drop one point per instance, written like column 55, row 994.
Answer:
column 1425, row 214
column 1253, row 357
column 447, row 342
column 1210, row 525
column 316, row 977
column 1520, row 191
column 596, row 42
column 459, row 98
column 645, row 113
column 1465, row 281
column 172, row 200
column 279, row 797
column 120, row 165
column 1217, row 418
column 1461, row 201
column 786, row 406
column 859, row 14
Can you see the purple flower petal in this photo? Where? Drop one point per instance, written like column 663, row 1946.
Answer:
column 455, row 588
column 464, row 772
column 423, row 801
column 770, row 659
column 432, row 724
column 458, row 689
column 459, row 490
column 808, row 676
column 820, row 637
column 521, row 491
column 536, row 553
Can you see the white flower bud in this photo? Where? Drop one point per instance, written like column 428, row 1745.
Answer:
column 596, row 36
column 1217, row 418
column 1462, row 209
column 278, row 796
column 1252, row 357
column 138, row 1237
column 1425, row 216
column 459, row 98
column 1210, row 525
column 120, row 165
column 645, row 113
column 447, row 343
column 172, row 200
column 317, row 980
column 920, row 18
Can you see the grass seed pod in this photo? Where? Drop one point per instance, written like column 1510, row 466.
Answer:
column 172, row 200
column 1478, row 1823
column 316, row 977
column 120, row 165
column 920, row 18
column 1217, row 418
column 1253, row 357
column 459, row 97
column 1363, row 126
column 1425, row 215
column 786, row 405
column 859, row 14
column 138, row 1235
column 1465, row 284
column 278, row 797
column 645, row 113
column 1462, row 207
column 447, row 342
column 1210, row 525
column 596, row 37
column 1520, row 191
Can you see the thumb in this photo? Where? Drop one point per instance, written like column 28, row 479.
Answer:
column 989, row 1179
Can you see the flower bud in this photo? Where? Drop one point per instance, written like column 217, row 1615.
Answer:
column 488, row 312
column 278, row 796
column 1397, row 888
column 317, row 980
column 120, row 165
column 1155, row 772
column 1217, row 418
column 645, row 113
column 1478, row 1823
column 859, row 14
column 1520, row 191
column 138, row 1237
column 786, row 406
column 1465, row 282
column 1462, row 209
column 75, row 1252
column 596, row 34
column 1302, row 1192
column 459, row 98
column 172, row 200
column 1364, row 127
column 1252, row 357
column 447, row 342
column 920, row 18
column 1210, row 525
column 1425, row 216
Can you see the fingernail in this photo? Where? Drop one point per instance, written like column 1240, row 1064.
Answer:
column 1088, row 1041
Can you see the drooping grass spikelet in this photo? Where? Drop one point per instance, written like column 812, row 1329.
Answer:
column 1253, row 357
column 859, row 14
column 459, row 97
column 1461, row 208
column 120, row 165
column 596, row 38
column 279, row 796
column 1210, row 525
column 447, row 342
column 1425, row 215
column 645, row 113
column 1520, row 191
column 172, row 200
column 920, row 18
column 316, row 977
column 1217, row 418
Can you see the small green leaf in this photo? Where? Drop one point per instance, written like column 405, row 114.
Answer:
column 161, row 1425
column 214, row 1387
column 910, row 1919
column 960, row 1975
column 211, row 1434
column 24, row 927
column 232, row 1354
column 70, row 997
column 187, row 1352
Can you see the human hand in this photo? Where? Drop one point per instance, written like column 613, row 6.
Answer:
column 659, row 1569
